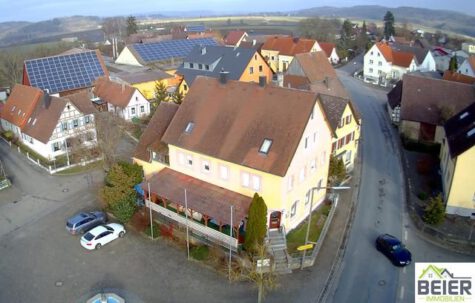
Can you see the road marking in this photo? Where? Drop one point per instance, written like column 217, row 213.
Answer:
column 401, row 294
column 405, row 235
column 404, row 270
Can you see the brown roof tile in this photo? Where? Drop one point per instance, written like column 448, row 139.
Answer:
column 82, row 101
column 471, row 61
column 242, row 116
column 289, row 46
column 152, row 136
column 385, row 50
column 21, row 104
column 402, row 59
column 298, row 82
column 327, row 47
column 456, row 77
column 334, row 108
column 424, row 99
column 233, row 37
column 112, row 92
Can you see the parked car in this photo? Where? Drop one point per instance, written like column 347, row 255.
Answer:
column 101, row 235
column 392, row 248
column 85, row 221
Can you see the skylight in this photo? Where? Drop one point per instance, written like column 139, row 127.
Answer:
column 265, row 147
column 465, row 114
column 189, row 127
column 471, row 132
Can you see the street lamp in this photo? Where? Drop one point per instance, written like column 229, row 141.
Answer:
column 310, row 214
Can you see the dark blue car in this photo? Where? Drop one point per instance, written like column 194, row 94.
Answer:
column 392, row 248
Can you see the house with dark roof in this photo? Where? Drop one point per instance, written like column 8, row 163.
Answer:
column 457, row 160
column 123, row 100
column 257, row 138
column 65, row 74
column 330, row 51
column 383, row 65
column 427, row 103
column 234, row 38
column 242, row 64
column 279, row 51
column 425, row 59
column 51, row 126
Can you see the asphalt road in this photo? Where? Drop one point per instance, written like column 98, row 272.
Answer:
column 366, row 275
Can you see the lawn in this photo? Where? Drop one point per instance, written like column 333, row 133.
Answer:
column 296, row 237
column 80, row 169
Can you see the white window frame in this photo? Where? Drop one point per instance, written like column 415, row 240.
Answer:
column 132, row 111
column 302, row 175
column 308, row 195
column 224, row 172
column 256, row 183
column 204, row 164
column 290, row 182
column 245, row 179
column 293, row 209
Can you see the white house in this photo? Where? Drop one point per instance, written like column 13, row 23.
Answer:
column 124, row 100
column 47, row 124
column 330, row 51
column 383, row 64
column 468, row 67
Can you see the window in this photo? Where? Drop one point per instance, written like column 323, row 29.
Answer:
column 136, row 98
column 132, row 110
column 379, row 55
column 256, row 183
column 306, row 142
column 192, row 65
column 189, row 160
column 308, row 196
column 341, row 142
column 314, row 137
column 64, row 126
column 200, row 66
column 224, row 172
column 333, row 147
column 255, row 57
column 207, row 67
column 68, row 107
column 181, row 159
column 371, row 53
column 189, row 127
column 347, row 139
column 348, row 119
column 142, row 108
column 251, row 70
column 291, row 182
column 311, row 115
column 56, row 146
column 293, row 210
column 371, row 61
column 348, row 156
column 302, row 175
column 352, row 136
column 370, row 70
column 75, row 123
column 272, row 58
column 260, row 68
column 265, row 146
column 380, row 63
column 185, row 87
column 313, row 165
column 245, row 179
column 206, row 166
column 379, row 72
column 87, row 120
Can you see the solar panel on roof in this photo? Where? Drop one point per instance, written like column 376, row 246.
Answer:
column 196, row 28
column 65, row 72
column 166, row 50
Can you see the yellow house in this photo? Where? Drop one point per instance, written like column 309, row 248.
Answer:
column 145, row 81
column 280, row 51
column 346, row 123
column 457, row 162
column 258, row 138
column 239, row 63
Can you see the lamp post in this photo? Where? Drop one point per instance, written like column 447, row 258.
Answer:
column 310, row 214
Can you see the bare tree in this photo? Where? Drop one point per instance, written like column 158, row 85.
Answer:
column 108, row 136
column 11, row 68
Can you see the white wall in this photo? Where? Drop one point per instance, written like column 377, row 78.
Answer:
column 126, row 57
column 466, row 69
column 428, row 65
column 138, row 107
column 375, row 65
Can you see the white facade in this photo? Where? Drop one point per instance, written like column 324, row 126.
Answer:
column 429, row 64
column 466, row 68
column 127, row 57
column 375, row 67
column 334, row 59
column 137, row 107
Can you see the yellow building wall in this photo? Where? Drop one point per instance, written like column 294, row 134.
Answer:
column 149, row 169
column 341, row 132
column 148, row 88
column 268, row 55
column 461, row 194
column 183, row 88
column 284, row 62
column 255, row 62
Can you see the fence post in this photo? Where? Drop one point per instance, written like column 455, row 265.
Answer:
column 18, row 147
column 38, row 161
column 10, row 143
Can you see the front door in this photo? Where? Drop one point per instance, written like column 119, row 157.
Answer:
column 274, row 221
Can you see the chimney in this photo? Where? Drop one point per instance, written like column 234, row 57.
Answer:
column 46, row 98
column 223, row 76
column 262, row 81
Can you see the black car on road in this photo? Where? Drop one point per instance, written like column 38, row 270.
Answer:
column 392, row 248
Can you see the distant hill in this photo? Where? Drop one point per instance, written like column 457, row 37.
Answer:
column 438, row 19
column 23, row 32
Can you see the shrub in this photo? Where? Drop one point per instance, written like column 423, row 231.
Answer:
column 199, row 253
column 256, row 224
column 156, row 230
column 337, row 170
column 124, row 208
column 8, row 135
column 434, row 213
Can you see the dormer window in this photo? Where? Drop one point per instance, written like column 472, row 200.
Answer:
column 471, row 132
column 192, row 65
column 189, row 127
column 265, row 147
column 34, row 121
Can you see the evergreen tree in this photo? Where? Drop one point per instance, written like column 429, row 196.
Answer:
column 337, row 170
column 161, row 94
column 389, row 25
column 131, row 25
column 177, row 97
column 434, row 212
column 453, row 65
column 256, row 224
column 346, row 30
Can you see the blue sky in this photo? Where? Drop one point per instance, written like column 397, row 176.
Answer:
column 36, row 10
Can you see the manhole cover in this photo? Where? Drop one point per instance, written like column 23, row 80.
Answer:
column 65, row 190
column 58, row 283
column 381, row 282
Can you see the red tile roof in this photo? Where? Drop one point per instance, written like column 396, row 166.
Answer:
column 471, row 61
column 113, row 92
column 21, row 104
column 327, row 47
column 385, row 50
column 234, row 37
column 456, row 77
column 289, row 46
column 402, row 59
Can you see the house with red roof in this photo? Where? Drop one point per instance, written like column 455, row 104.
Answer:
column 468, row 67
column 234, row 38
column 330, row 51
column 383, row 65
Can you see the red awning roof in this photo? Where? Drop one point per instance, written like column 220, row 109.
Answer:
column 203, row 197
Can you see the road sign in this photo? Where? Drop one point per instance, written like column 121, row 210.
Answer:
column 305, row 247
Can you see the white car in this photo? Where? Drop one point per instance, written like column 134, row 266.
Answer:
column 101, row 235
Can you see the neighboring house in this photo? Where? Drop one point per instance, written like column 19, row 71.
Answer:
column 257, row 139
column 280, row 51
column 424, row 57
column 468, row 67
column 47, row 124
column 145, row 81
column 242, row 64
column 383, row 65
column 426, row 103
column 123, row 100
column 394, row 103
column 469, row 48
column 456, row 77
column 312, row 71
column 172, row 51
column 330, row 51
column 457, row 160
column 234, row 38
column 442, row 58
column 65, row 74
column 345, row 122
